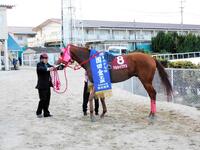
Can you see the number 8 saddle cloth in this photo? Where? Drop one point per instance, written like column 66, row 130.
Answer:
column 115, row 62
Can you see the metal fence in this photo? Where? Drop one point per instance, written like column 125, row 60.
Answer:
column 177, row 55
column 185, row 83
column 32, row 59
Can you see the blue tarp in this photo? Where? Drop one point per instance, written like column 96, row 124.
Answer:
column 12, row 44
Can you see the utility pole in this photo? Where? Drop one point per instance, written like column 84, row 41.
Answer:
column 81, row 21
column 182, row 10
column 6, row 55
column 62, row 30
column 71, row 21
column 135, row 44
column 68, row 21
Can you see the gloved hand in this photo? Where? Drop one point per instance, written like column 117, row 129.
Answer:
column 60, row 67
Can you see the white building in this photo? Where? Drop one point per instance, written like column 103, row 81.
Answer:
column 102, row 34
column 105, row 33
column 48, row 34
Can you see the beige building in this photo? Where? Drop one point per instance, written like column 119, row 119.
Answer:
column 47, row 34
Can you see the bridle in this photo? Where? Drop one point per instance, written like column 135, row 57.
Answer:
column 67, row 56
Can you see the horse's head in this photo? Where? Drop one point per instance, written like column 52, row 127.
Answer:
column 65, row 56
column 74, row 53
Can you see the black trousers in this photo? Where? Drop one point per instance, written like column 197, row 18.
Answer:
column 86, row 95
column 15, row 67
column 44, row 95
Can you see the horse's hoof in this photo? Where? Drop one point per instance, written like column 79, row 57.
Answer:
column 102, row 116
column 92, row 118
column 152, row 118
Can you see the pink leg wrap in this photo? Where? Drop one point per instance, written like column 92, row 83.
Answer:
column 153, row 106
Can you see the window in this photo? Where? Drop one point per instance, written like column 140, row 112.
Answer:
column 114, row 51
column 20, row 37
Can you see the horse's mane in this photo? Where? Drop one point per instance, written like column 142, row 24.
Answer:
column 80, row 47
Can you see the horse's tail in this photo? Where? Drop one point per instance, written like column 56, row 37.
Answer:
column 165, row 79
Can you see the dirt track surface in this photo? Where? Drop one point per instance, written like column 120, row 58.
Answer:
column 125, row 126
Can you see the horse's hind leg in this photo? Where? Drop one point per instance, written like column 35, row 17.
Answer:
column 92, row 92
column 104, row 107
column 152, row 94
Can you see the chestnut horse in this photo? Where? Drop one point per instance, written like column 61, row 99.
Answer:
column 140, row 65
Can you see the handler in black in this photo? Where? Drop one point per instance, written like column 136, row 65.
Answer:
column 86, row 95
column 43, row 85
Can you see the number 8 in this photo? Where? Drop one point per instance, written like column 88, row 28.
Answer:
column 120, row 60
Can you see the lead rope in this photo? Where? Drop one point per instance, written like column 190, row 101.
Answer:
column 56, row 81
column 55, row 76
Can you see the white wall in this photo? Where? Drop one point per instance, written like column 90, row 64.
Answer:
column 51, row 32
column 3, row 24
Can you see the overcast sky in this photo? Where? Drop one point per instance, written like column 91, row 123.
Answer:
column 34, row 12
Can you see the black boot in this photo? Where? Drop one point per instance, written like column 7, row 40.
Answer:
column 84, row 113
column 96, row 113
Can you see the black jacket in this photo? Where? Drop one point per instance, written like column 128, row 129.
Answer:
column 44, row 78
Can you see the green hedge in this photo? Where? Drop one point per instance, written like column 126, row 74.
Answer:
column 183, row 64
column 179, row 64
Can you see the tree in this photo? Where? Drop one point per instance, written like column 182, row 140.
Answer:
column 174, row 43
column 158, row 42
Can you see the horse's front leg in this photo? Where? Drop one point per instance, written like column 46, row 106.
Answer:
column 104, row 107
column 92, row 92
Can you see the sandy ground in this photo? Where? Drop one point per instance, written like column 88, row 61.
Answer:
column 125, row 126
